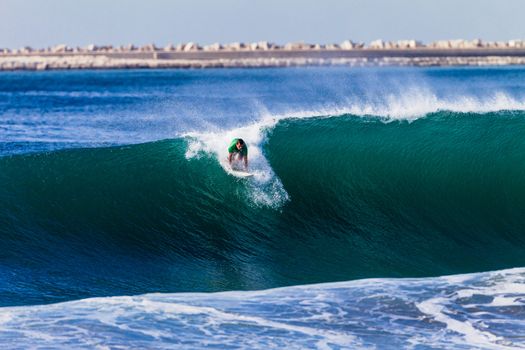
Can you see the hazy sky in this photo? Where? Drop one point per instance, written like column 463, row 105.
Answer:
column 41, row 23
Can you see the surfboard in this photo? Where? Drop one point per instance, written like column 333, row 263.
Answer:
column 236, row 170
column 240, row 173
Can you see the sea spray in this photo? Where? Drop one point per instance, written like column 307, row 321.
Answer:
column 264, row 187
column 55, row 110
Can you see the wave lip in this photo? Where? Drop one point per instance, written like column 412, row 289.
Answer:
column 482, row 310
column 411, row 104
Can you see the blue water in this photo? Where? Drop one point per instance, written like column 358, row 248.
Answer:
column 114, row 186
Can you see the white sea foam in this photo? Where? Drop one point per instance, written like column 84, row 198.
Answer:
column 264, row 187
column 454, row 312
column 436, row 308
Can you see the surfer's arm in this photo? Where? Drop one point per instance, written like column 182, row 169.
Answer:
column 230, row 158
column 246, row 162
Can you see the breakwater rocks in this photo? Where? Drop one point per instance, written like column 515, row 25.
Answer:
column 264, row 54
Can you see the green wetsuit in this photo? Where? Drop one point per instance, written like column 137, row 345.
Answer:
column 233, row 148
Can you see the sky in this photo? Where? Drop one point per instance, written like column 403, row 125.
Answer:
column 42, row 23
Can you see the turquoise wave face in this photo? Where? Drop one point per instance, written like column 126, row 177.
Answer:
column 363, row 197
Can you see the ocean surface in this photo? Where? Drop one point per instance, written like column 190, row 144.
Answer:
column 387, row 209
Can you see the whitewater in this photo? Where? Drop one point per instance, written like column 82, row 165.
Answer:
column 386, row 209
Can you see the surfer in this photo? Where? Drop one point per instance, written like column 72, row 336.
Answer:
column 238, row 150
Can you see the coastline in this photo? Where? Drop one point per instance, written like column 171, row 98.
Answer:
column 224, row 58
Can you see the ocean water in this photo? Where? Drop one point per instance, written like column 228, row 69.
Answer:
column 386, row 210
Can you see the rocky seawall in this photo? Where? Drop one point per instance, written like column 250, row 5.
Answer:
column 255, row 59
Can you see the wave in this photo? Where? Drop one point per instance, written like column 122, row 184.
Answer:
column 482, row 310
column 409, row 104
column 72, row 94
column 124, row 117
column 333, row 199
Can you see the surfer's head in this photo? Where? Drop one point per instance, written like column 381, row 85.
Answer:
column 240, row 144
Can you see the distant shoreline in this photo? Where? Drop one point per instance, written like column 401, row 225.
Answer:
column 259, row 55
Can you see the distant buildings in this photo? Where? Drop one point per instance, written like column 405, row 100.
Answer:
column 266, row 54
column 266, row 46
